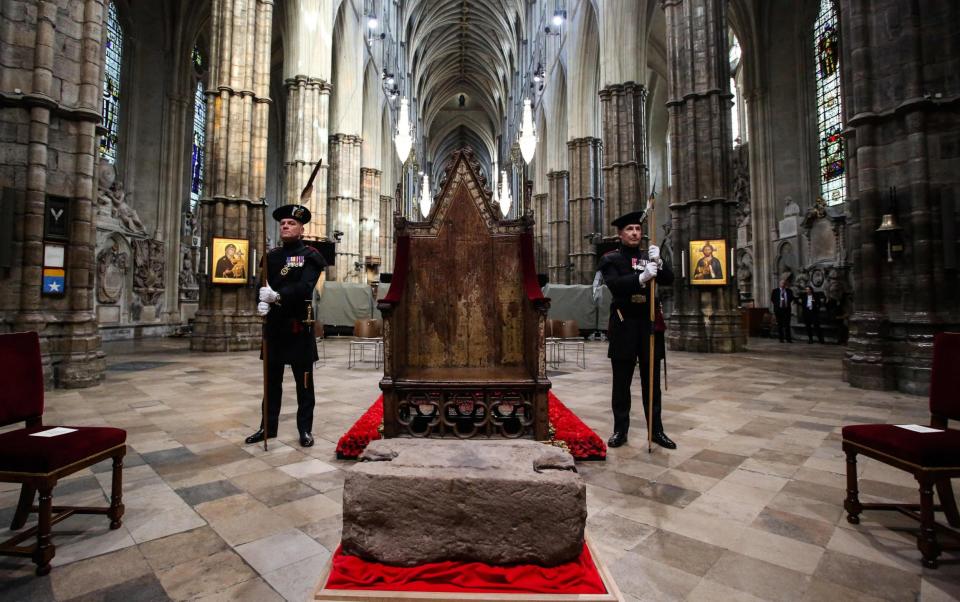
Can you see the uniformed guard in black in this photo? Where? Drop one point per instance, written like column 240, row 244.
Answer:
column 293, row 270
column 627, row 272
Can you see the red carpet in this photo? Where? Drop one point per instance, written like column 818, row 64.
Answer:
column 577, row 577
column 583, row 443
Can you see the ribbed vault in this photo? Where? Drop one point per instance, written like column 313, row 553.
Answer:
column 467, row 47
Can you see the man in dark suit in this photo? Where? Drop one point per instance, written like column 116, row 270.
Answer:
column 780, row 300
column 627, row 272
column 293, row 270
column 810, row 313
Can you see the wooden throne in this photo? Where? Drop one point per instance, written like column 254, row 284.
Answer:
column 464, row 320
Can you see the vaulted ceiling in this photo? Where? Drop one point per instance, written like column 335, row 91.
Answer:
column 462, row 47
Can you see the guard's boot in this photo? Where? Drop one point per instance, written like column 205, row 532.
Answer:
column 258, row 437
column 617, row 439
column 661, row 439
column 306, row 439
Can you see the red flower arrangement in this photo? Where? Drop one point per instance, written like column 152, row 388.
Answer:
column 583, row 443
column 566, row 427
column 363, row 431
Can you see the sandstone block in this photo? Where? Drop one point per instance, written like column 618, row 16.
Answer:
column 411, row 501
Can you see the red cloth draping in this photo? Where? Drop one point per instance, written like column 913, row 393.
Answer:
column 578, row 577
column 400, row 266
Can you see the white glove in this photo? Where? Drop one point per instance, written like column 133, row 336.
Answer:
column 649, row 272
column 268, row 295
column 263, row 308
column 653, row 252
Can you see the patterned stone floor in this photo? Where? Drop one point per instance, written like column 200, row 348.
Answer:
column 748, row 507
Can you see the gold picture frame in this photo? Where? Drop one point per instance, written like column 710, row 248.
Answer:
column 231, row 261
column 708, row 262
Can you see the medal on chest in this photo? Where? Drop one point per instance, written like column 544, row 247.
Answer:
column 294, row 261
column 638, row 264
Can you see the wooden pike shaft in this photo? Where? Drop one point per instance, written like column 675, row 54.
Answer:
column 652, row 221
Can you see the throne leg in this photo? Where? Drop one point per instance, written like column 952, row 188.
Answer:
column 27, row 493
column 852, row 504
column 927, row 538
column 45, row 550
column 116, row 493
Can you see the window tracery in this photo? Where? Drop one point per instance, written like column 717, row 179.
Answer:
column 829, row 105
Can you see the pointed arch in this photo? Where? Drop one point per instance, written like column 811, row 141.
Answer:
column 372, row 118
column 347, row 52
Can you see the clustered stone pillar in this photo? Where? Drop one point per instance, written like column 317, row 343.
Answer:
column 901, row 99
column 585, row 207
column 559, row 256
column 235, row 184
column 541, row 230
column 704, row 318
column 623, row 109
column 344, row 204
column 52, row 56
column 387, row 209
column 369, row 213
column 308, row 109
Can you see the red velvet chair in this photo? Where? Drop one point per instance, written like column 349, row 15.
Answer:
column 39, row 462
column 932, row 458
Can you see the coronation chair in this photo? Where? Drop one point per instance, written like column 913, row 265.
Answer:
column 38, row 462
column 932, row 457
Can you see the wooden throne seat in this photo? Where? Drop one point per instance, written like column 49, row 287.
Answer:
column 464, row 320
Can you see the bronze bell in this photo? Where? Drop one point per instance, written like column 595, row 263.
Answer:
column 889, row 223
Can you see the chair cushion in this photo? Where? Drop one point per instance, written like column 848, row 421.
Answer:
column 932, row 450
column 19, row 452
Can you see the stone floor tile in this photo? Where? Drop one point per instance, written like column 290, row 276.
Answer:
column 207, row 492
column 205, row 576
column 279, row 550
column 182, row 547
column 254, row 590
column 617, row 531
column 684, row 553
column 879, row 580
column 711, row 591
column 146, row 588
column 326, row 531
column 93, row 574
column 648, row 579
column 165, row 523
column 308, row 510
column 282, row 494
column 307, row 468
column 297, row 582
column 758, row 578
column 794, row 526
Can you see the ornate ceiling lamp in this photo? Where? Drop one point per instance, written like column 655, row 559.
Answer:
column 528, row 134
column 426, row 199
column 403, row 137
column 505, row 199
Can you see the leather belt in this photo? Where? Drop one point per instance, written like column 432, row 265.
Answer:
column 638, row 298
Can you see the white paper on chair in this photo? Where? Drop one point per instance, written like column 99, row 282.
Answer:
column 60, row 430
column 918, row 428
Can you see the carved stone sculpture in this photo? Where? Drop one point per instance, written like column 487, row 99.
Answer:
column 112, row 265
column 189, row 289
column 113, row 198
column 148, row 270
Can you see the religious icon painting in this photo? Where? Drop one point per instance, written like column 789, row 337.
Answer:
column 708, row 262
column 230, row 260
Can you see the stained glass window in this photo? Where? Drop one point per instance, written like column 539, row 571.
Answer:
column 199, row 138
column 829, row 105
column 110, row 116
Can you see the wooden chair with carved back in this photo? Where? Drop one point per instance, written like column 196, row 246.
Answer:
column 464, row 320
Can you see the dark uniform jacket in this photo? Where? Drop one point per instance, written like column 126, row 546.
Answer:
column 630, row 336
column 293, row 271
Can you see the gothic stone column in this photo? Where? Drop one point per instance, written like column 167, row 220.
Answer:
column 623, row 108
column 585, row 206
column 369, row 213
column 902, row 105
column 387, row 208
column 344, row 205
column 52, row 51
column 559, row 256
column 238, row 105
column 704, row 318
column 308, row 110
column 541, row 230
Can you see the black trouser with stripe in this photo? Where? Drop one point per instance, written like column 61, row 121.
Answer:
column 303, row 375
column 621, row 398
